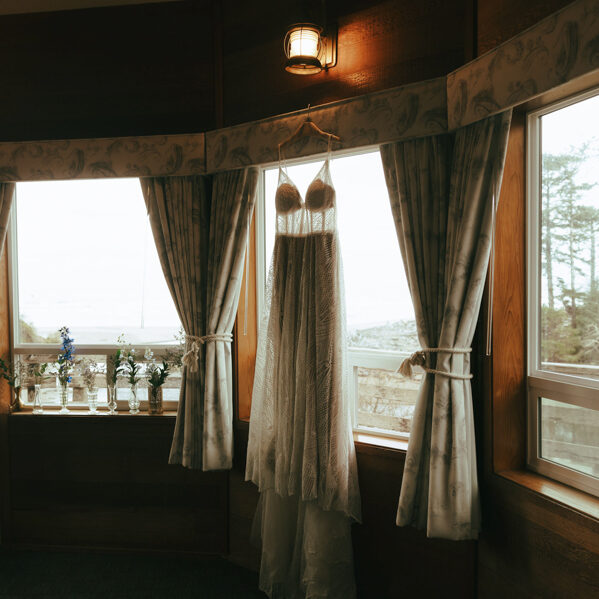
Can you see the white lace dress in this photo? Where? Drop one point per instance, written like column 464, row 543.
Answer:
column 301, row 451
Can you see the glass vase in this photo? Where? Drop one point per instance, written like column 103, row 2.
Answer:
column 111, row 391
column 37, row 399
column 155, row 400
column 134, row 400
column 31, row 393
column 63, row 392
column 15, row 403
column 92, row 400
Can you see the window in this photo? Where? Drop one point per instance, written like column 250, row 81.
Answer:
column 563, row 291
column 83, row 256
column 380, row 317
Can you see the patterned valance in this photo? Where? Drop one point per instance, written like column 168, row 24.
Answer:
column 409, row 111
column 100, row 158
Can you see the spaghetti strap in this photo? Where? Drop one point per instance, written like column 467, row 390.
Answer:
column 287, row 197
column 321, row 194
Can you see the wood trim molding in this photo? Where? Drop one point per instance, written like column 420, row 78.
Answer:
column 245, row 346
column 5, row 396
column 508, row 376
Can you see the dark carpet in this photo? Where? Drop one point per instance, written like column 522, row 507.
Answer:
column 62, row 575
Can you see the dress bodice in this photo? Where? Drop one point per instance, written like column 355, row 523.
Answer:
column 319, row 196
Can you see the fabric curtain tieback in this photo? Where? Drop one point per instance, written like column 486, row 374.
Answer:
column 191, row 358
column 419, row 359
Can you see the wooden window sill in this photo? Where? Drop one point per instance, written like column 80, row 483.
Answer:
column 361, row 438
column 28, row 411
column 555, row 491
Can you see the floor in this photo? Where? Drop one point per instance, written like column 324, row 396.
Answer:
column 66, row 575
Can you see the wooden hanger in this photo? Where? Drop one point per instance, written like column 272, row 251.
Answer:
column 308, row 129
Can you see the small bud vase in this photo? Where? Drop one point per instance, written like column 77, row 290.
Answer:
column 155, row 400
column 31, row 393
column 63, row 391
column 134, row 400
column 37, row 400
column 92, row 400
column 15, row 404
column 112, row 398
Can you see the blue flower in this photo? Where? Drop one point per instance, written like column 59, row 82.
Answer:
column 66, row 359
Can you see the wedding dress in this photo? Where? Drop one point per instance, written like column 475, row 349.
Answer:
column 301, row 451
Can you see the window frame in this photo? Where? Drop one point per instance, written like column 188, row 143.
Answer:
column 565, row 388
column 367, row 358
column 52, row 349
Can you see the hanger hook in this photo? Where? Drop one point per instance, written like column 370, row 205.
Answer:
column 308, row 117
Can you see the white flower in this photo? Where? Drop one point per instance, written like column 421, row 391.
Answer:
column 149, row 354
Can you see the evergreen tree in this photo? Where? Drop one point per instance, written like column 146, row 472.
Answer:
column 569, row 237
column 563, row 220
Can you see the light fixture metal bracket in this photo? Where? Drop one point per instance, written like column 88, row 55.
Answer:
column 328, row 57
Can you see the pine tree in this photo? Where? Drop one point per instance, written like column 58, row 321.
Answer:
column 564, row 231
column 569, row 237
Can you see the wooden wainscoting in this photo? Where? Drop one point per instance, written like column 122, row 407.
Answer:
column 104, row 482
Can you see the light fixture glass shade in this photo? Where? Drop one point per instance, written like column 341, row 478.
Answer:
column 304, row 42
column 303, row 48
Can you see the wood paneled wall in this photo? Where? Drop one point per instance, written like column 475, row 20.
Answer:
column 195, row 65
column 381, row 45
column 105, row 482
column 531, row 546
column 498, row 20
column 398, row 562
column 107, row 72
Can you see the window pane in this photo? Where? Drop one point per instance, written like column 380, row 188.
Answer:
column 386, row 400
column 86, row 259
column 379, row 308
column 570, row 436
column 569, row 236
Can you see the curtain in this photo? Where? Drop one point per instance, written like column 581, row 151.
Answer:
column 7, row 193
column 200, row 226
column 443, row 191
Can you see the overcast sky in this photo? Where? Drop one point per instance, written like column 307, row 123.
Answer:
column 87, row 260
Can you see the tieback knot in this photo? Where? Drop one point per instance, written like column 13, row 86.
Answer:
column 191, row 358
column 418, row 358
